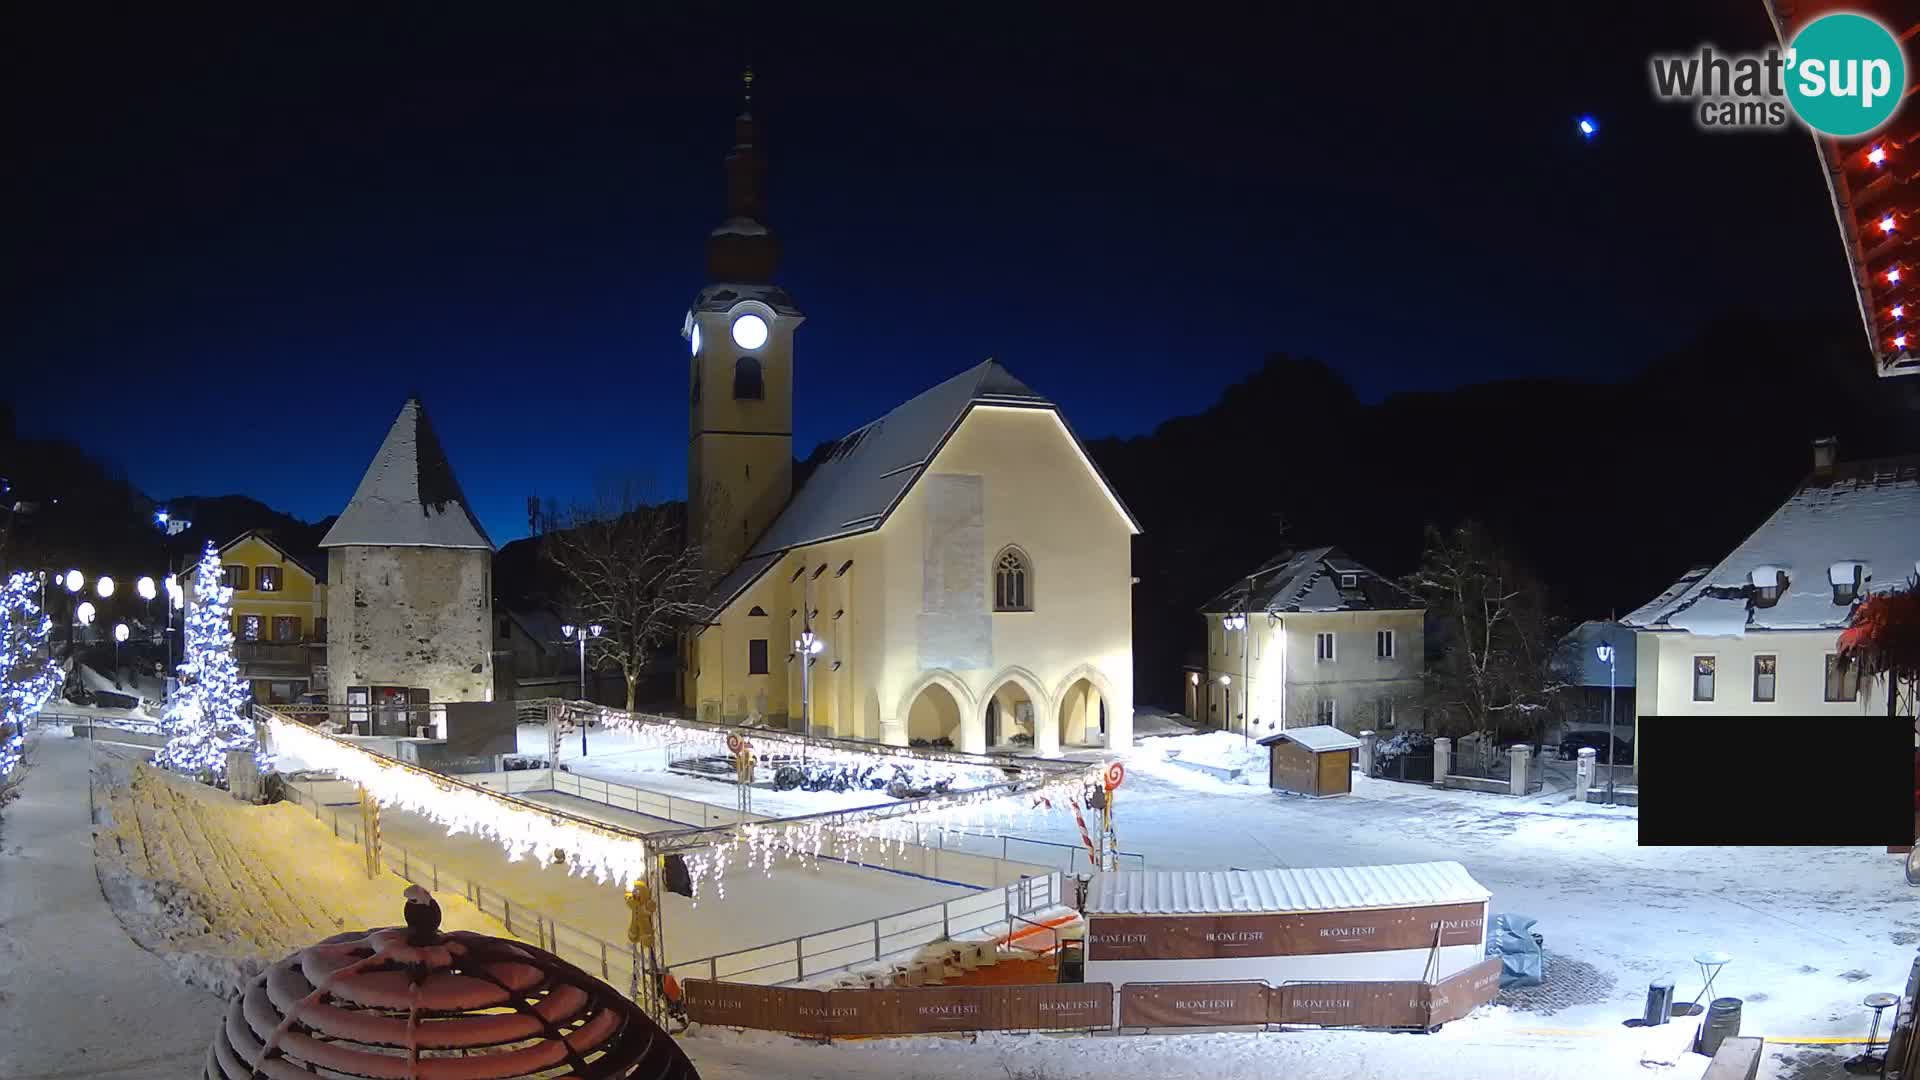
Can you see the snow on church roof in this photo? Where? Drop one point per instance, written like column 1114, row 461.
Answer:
column 867, row 473
column 1336, row 888
column 1867, row 512
column 409, row 497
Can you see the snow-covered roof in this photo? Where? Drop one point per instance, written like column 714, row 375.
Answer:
column 1865, row 512
column 1581, row 662
column 408, row 497
column 723, row 296
column 740, row 226
column 1315, row 737
column 1310, row 580
column 317, row 573
column 1199, row 892
column 866, row 474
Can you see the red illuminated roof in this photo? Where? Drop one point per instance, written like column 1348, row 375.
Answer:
column 1875, row 183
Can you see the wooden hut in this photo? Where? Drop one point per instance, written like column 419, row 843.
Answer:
column 1316, row 760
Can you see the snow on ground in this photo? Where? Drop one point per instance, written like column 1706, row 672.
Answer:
column 77, row 996
column 203, row 880
column 797, row 899
column 1495, row 1046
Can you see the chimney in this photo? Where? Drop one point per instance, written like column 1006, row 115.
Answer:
column 1826, row 452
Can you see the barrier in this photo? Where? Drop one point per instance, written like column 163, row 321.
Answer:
column 1090, row 1006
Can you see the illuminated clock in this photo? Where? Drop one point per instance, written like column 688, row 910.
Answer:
column 749, row 331
column 693, row 338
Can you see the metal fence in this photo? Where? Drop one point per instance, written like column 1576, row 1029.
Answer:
column 612, row 961
column 1494, row 764
column 995, row 913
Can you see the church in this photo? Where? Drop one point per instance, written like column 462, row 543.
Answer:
column 955, row 573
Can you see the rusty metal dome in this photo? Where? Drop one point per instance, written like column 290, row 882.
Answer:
column 412, row 1003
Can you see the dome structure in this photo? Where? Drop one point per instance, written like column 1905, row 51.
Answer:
column 412, row 1003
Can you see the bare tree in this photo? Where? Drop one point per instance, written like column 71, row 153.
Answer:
column 1497, row 673
column 628, row 566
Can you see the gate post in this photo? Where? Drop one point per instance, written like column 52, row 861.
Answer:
column 1583, row 773
column 1519, row 756
column 1442, row 761
column 1366, row 753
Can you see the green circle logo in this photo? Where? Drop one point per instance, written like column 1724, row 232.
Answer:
column 1845, row 74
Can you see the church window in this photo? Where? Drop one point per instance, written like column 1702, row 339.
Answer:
column 1012, row 581
column 757, row 656
column 758, row 610
column 747, row 384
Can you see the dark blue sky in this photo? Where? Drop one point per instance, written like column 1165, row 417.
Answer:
column 240, row 240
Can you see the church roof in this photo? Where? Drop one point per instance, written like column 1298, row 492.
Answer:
column 409, row 497
column 867, row 473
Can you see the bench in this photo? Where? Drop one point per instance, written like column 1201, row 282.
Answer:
column 1737, row 1059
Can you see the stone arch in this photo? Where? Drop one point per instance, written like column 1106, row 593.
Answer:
column 1061, row 703
column 1046, row 733
column 971, row 733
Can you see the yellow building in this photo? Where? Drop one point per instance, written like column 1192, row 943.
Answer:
column 1311, row 637
column 957, row 570
column 279, row 617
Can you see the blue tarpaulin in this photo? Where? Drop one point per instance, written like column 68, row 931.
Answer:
column 1510, row 938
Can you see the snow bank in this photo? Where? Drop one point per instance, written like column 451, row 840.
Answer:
column 1214, row 750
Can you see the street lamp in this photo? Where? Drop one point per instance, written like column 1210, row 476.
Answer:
column 581, row 634
column 809, row 646
column 1239, row 622
column 105, row 587
column 147, row 590
column 1606, row 654
column 119, row 635
column 74, row 580
column 85, row 613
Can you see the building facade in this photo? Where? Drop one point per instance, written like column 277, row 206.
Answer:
column 1758, row 632
column 409, row 603
column 1310, row 637
column 279, row 617
column 956, row 572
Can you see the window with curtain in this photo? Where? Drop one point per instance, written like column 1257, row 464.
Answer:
column 1703, row 678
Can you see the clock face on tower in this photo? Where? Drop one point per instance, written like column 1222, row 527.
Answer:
column 693, row 339
column 749, row 332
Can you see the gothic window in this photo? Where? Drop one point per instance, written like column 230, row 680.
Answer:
column 747, row 383
column 1012, row 581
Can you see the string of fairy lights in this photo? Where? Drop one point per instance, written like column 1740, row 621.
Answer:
column 992, row 806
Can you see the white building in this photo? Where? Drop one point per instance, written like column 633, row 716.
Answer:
column 1757, row 632
column 1310, row 637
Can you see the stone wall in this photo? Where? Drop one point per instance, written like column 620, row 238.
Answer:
column 410, row 616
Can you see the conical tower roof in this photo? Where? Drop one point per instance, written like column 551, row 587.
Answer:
column 409, row 497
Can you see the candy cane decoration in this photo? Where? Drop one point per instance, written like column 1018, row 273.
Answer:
column 1085, row 837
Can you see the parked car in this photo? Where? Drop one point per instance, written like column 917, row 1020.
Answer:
column 1577, row 741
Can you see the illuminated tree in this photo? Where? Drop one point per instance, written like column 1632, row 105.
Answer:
column 207, row 716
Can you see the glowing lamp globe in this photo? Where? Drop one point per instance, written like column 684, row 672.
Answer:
column 145, row 588
column 85, row 612
column 74, row 580
column 120, row 631
column 750, row 332
column 412, row 1002
column 105, row 587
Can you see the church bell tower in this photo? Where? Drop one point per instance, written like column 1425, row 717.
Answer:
column 740, row 332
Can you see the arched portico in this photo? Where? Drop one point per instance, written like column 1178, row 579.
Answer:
column 1001, row 711
column 1084, row 708
column 940, row 699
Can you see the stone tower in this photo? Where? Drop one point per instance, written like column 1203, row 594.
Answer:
column 740, row 331
column 409, row 569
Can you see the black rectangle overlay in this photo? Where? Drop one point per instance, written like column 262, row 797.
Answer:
column 1776, row 781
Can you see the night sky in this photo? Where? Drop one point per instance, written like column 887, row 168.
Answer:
column 240, row 238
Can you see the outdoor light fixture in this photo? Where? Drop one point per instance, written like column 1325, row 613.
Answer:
column 1193, row 677
column 1588, row 128
column 809, row 646
column 1899, row 341
column 85, row 613
column 1893, row 276
column 749, row 331
column 1899, row 311
column 1877, row 156
column 74, row 580
column 105, row 587
column 1606, row 654
column 119, row 632
column 580, row 635
column 159, row 517
column 145, row 588
column 1226, row 680
column 1886, row 224
column 175, row 592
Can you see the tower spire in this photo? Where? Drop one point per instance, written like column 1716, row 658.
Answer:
column 743, row 249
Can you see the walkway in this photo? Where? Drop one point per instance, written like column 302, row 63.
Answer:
column 77, row 997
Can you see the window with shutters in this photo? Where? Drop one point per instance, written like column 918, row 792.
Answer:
column 235, row 577
column 266, row 578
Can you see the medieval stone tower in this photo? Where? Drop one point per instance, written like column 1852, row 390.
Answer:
column 410, row 597
column 740, row 331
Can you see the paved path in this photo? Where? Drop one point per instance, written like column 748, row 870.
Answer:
column 77, row 997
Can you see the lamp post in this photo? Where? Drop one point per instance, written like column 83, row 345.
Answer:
column 147, row 590
column 809, row 646
column 1606, row 654
column 119, row 635
column 580, row 634
column 74, row 580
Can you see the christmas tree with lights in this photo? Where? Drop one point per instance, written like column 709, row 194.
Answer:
column 207, row 716
column 27, row 673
